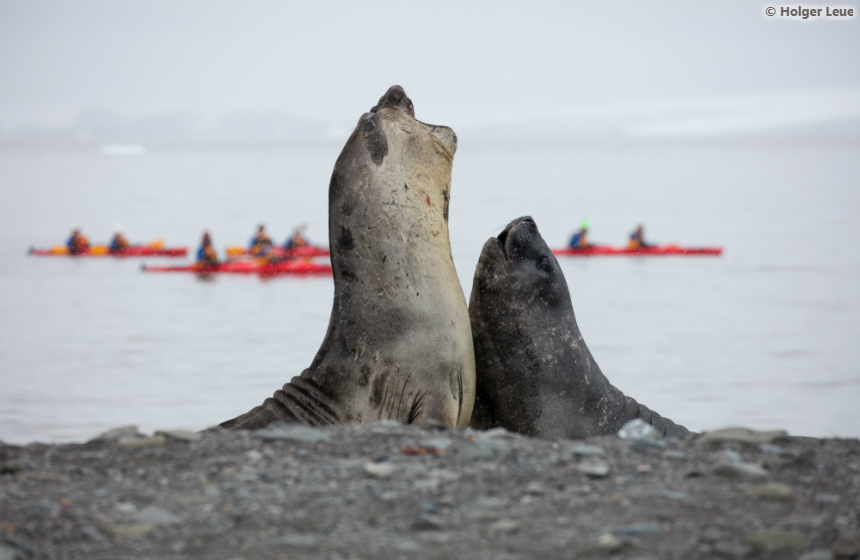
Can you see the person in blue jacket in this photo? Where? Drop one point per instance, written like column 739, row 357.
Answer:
column 580, row 238
column 206, row 254
column 260, row 243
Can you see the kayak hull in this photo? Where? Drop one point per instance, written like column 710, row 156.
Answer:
column 656, row 251
column 102, row 251
column 293, row 267
column 280, row 252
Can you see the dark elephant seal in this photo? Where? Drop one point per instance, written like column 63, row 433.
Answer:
column 535, row 374
column 399, row 344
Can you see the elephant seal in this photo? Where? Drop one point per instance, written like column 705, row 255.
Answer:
column 535, row 375
column 399, row 343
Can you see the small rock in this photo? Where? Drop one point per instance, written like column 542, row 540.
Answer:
column 380, row 470
column 132, row 531
column 125, row 507
column 769, row 449
column 827, row 498
column 846, row 546
column 503, row 527
column 819, row 554
column 292, row 432
column 116, row 433
column 140, row 441
column 438, row 443
column 637, row 429
column 481, row 448
column 777, row 540
column 771, row 491
column 749, row 471
column 674, row 454
column 427, row 522
column 741, row 435
column 582, row 450
column 10, row 468
column 181, row 435
column 610, row 543
column 731, row 456
column 593, row 469
column 730, row 550
column 9, row 553
column 637, row 530
column 156, row 516
column 647, row 445
column 406, row 545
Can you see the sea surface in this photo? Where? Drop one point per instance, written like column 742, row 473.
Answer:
column 766, row 336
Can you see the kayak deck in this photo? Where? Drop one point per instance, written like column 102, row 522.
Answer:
column 104, row 251
column 281, row 252
column 654, row 251
column 295, row 267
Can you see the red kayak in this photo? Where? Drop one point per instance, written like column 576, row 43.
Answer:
column 296, row 267
column 654, row 251
column 280, row 252
column 104, row 251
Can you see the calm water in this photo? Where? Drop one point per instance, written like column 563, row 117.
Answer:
column 765, row 336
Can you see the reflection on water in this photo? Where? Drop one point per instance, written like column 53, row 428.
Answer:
column 765, row 336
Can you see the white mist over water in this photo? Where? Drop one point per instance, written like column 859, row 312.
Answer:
column 765, row 336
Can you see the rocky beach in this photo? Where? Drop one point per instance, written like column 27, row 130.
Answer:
column 395, row 491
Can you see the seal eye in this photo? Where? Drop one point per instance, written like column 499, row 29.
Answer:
column 543, row 262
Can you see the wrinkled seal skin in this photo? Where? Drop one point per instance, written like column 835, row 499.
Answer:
column 399, row 343
column 535, row 375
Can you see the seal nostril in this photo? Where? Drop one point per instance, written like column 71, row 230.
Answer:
column 503, row 238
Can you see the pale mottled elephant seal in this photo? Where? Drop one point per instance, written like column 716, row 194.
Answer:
column 535, row 374
column 399, row 344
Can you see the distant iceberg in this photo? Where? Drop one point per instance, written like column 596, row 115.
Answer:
column 123, row 149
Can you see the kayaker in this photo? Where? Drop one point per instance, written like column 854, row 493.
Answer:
column 580, row 238
column 260, row 242
column 77, row 243
column 206, row 254
column 119, row 241
column 637, row 239
column 297, row 240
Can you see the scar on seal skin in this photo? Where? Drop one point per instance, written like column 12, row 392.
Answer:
column 399, row 343
column 535, row 375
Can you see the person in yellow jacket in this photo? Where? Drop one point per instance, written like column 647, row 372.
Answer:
column 637, row 239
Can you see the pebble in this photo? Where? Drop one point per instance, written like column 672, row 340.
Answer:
column 292, row 432
column 647, row 445
column 749, row 471
column 181, row 435
column 638, row 429
column 134, row 442
column 741, row 435
column 380, row 470
column 823, row 498
column 637, row 530
column 819, row 554
column 116, row 433
column 156, row 516
column 776, row 540
column 132, row 531
column 503, row 527
column 846, row 546
column 771, row 491
column 298, row 541
column 481, row 448
column 610, row 543
column 583, row 450
column 593, row 469
column 9, row 553
column 427, row 522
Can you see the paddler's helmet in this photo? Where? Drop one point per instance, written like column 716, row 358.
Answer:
column 584, row 224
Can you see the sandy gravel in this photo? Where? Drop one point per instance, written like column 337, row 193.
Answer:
column 394, row 491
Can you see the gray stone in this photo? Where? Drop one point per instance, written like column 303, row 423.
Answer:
column 827, row 498
column 819, row 554
column 593, row 469
column 116, row 433
column 741, row 435
column 380, row 470
column 298, row 541
column 583, row 450
column 776, row 540
column 133, row 442
column 771, row 491
column 731, row 456
column 292, row 432
column 610, row 543
column 637, row 530
column 427, row 522
column 9, row 553
column 503, row 527
column 438, row 443
column 481, row 448
column 156, row 516
column 637, row 429
column 406, row 545
column 846, row 546
column 749, row 471
column 647, row 445
column 181, row 435
column 132, row 531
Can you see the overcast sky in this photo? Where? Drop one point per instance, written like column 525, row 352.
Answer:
column 467, row 62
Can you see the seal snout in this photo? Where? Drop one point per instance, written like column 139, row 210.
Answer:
column 395, row 98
